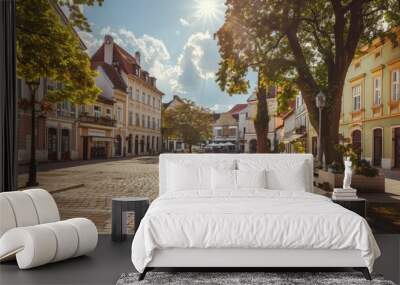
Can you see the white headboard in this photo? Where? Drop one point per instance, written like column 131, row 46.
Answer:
column 164, row 158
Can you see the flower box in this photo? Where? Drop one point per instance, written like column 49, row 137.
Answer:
column 363, row 184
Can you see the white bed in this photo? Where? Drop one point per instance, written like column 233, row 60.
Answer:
column 249, row 227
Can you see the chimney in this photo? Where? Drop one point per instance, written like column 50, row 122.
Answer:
column 108, row 49
column 137, row 56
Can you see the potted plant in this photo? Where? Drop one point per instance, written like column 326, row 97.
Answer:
column 366, row 178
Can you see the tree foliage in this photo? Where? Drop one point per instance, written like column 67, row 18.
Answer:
column 306, row 44
column 76, row 17
column 48, row 48
column 187, row 121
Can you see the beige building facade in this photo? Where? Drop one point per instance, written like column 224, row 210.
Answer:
column 370, row 117
column 137, row 100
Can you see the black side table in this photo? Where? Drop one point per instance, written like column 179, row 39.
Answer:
column 120, row 207
column 358, row 205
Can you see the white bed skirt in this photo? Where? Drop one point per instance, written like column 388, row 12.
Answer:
column 189, row 257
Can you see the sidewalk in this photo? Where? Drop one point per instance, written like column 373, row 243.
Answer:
column 47, row 166
column 391, row 173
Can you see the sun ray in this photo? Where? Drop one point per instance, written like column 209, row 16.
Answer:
column 208, row 10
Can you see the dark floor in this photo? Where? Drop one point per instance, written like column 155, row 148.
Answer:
column 110, row 260
column 103, row 266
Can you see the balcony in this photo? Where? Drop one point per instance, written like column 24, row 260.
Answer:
column 104, row 121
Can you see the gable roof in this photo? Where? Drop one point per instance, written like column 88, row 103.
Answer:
column 237, row 108
column 124, row 61
column 113, row 75
column 176, row 98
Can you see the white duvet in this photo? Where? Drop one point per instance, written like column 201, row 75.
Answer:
column 250, row 219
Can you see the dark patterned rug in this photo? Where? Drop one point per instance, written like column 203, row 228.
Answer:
column 243, row 278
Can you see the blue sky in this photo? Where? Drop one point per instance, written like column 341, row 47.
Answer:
column 175, row 38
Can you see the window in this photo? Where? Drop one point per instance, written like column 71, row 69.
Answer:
column 143, row 98
column 154, row 123
column 130, row 118
column 148, row 122
column 396, row 85
column 119, row 114
column 148, row 99
column 137, row 120
column 108, row 112
column 97, row 111
column 130, row 92
column 377, row 90
column 154, row 102
column 65, row 105
column 357, row 97
column 143, row 121
column 137, row 94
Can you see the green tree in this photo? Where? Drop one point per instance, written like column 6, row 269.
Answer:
column 309, row 44
column 191, row 123
column 48, row 48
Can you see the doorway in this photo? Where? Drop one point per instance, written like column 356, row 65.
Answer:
column 397, row 147
column 377, row 155
column 253, row 146
column 65, row 145
column 356, row 142
column 118, row 145
column 136, row 145
column 52, row 143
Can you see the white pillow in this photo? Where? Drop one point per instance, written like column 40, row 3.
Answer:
column 251, row 178
column 223, row 179
column 290, row 175
column 186, row 175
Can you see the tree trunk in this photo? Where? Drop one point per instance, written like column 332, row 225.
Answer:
column 261, row 121
column 32, row 181
column 330, row 127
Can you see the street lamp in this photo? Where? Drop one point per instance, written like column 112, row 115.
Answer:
column 320, row 101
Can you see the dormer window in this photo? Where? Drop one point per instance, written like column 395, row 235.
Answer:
column 153, row 81
column 136, row 69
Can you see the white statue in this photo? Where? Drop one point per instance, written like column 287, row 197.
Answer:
column 347, row 173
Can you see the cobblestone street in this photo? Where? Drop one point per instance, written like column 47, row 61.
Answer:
column 86, row 190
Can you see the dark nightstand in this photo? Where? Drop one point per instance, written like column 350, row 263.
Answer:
column 358, row 205
column 120, row 207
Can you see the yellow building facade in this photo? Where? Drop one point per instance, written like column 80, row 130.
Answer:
column 370, row 118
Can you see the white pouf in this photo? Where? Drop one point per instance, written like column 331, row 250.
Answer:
column 31, row 232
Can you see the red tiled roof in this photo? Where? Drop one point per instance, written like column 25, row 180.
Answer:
column 125, row 61
column 113, row 75
column 237, row 108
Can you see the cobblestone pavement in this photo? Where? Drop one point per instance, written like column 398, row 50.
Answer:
column 86, row 190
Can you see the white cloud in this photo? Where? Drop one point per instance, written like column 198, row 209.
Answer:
column 188, row 74
column 198, row 61
column 92, row 43
column 184, row 22
column 218, row 108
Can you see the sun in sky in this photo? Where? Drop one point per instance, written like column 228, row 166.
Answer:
column 208, row 10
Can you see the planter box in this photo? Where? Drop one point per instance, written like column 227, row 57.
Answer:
column 362, row 183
